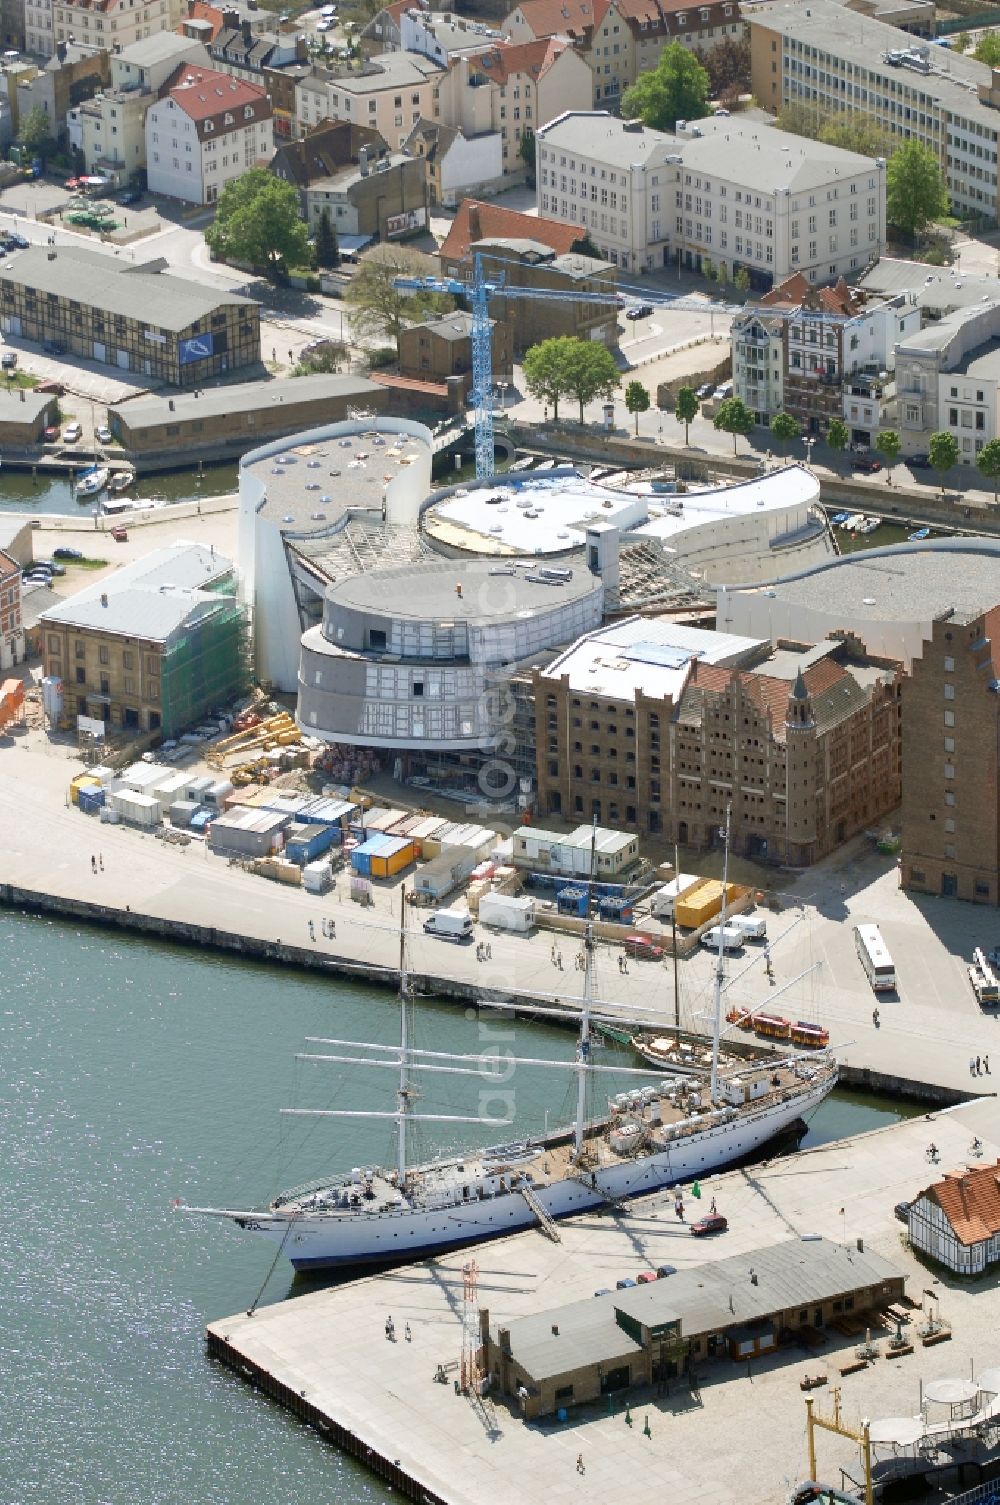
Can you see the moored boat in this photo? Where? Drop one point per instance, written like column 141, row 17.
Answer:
column 90, row 482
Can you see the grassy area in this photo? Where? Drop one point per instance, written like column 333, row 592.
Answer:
column 21, row 379
column 85, row 564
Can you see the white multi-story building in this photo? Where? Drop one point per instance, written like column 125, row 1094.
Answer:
column 39, row 36
column 113, row 23
column 733, row 193
column 948, row 378
column 206, row 130
column 110, row 129
column 391, row 94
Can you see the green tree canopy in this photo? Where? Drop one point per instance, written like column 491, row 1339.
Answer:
column 636, row 400
column 785, row 428
column 988, row 49
column 592, row 372
column 741, row 279
column 257, row 221
column 327, row 250
column 915, row 191
column 988, row 463
column 942, row 452
column 837, row 436
column 676, row 89
column 733, row 417
column 686, row 409
column 527, row 150
column 888, row 445
column 545, row 368
column 382, row 311
column 35, row 132
column 568, row 367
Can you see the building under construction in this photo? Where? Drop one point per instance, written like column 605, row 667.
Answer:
column 154, row 647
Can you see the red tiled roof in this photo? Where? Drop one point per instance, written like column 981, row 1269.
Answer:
column 768, row 692
column 797, row 289
column 8, row 566
column 409, row 383
column 200, row 10
column 202, row 92
column 535, row 58
column 571, row 18
column 478, row 221
column 970, row 1201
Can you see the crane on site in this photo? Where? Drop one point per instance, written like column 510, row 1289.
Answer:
column 478, row 292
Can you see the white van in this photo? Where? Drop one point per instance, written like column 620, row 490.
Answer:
column 753, row 926
column 450, row 925
column 732, row 938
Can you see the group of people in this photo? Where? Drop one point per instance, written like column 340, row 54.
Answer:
column 390, row 1333
column 623, row 964
column 555, row 956
column 328, row 928
column 97, row 863
column 979, row 1066
column 484, row 952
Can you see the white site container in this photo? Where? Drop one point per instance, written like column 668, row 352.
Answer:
column 507, row 912
column 316, row 877
column 663, row 901
column 137, row 808
column 144, row 777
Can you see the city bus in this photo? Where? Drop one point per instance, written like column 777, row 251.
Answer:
column 984, row 980
column 875, row 958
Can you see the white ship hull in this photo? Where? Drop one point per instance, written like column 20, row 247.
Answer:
column 332, row 1239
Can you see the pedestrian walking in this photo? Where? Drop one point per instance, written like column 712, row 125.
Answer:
column 93, row 863
column 979, row 1066
column 713, row 1209
column 875, row 1018
column 332, row 929
column 972, row 1065
column 489, row 951
column 100, row 861
column 986, row 1065
column 579, row 1464
column 407, row 1334
column 312, row 931
column 390, row 1330
column 559, row 960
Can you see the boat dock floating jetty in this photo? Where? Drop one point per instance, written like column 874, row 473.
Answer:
column 326, row 1356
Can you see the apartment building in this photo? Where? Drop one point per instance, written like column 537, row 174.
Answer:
column 382, row 197
column 733, row 193
column 11, row 620
column 665, row 727
column 329, row 147
column 622, row 39
column 73, row 73
column 948, row 378
column 511, row 89
column 951, row 733
column 391, row 93
column 110, row 129
column 113, row 23
column 39, row 35
column 457, row 164
column 824, row 56
column 129, row 315
column 441, row 37
column 207, row 130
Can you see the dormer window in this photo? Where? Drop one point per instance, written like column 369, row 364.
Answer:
column 228, row 120
column 209, row 126
column 248, row 112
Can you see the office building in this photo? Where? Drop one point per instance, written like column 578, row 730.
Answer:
column 207, row 130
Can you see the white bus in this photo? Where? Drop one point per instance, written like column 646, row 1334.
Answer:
column 875, row 958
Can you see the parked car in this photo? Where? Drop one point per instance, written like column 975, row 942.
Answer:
column 72, row 433
column 993, row 957
column 53, row 347
column 646, row 1277
column 918, row 462
column 17, row 240
column 66, row 553
column 51, row 388
column 714, row 1223
column 8, row 361
column 639, row 311
column 57, row 569
column 130, row 196
column 902, row 1211
column 625, row 1284
column 705, row 390
column 662, row 1271
column 324, row 25
column 119, row 534
column 644, row 947
column 604, row 1291
column 103, row 435
column 868, row 466
column 51, row 434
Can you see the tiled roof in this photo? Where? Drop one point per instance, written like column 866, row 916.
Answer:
column 8, row 566
column 834, row 690
column 478, row 221
column 409, row 383
column 199, row 10
column 202, row 92
column 571, row 18
column 499, row 63
column 797, row 289
column 970, row 1201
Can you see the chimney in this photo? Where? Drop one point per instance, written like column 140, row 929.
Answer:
column 61, row 51
column 247, row 32
column 363, row 161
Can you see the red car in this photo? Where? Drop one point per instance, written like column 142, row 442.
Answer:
column 646, row 1278
column 52, row 433
column 643, row 946
column 714, row 1223
column 869, row 467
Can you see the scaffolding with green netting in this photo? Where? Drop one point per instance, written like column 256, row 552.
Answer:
column 208, row 664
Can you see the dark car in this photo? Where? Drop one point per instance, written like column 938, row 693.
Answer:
column 902, row 1211
column 129, row 197
column 714, row 1223
column 639, row 311
column 705, row 390
column 51, row 434
column 65, row 553
column 625, row 1284
column 8, row 360
column 18, row 241
column 866, row 464
column 53, row 347
column 604, row 1291
column 662, row 1271
column 918, row 462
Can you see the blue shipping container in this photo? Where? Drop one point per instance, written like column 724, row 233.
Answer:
column 309, row 842
column 361, row 857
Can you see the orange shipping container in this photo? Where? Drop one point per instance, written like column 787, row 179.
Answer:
column 701, row 904
column 386, row 864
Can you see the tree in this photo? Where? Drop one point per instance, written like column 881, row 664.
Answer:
column 686, row 409
column 329, row 358
column 785, row 428
column 584, row 246
column 636, row 400
column 801, row 119
column 545, row 370
column 728, row 65
column 915, row 191
column 526, row 150
column 942, row 452
column 35, row 133
column 837, row 436
column 733, row 417
column 741, row 279
column 257, row 221
column 383, row 311
column 988, row 464
column 709, row 269
column 591, row 373
column 857, row 133
column 988, row 49
column 327, row 251
column 888, row 445
column 676, row 89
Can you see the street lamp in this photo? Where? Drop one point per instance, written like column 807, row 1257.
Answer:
column 502, row 386
column 809, row 442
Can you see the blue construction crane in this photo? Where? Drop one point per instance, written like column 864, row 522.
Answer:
column 479, row 292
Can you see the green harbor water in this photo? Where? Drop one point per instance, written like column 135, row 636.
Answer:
column 20, row 491
column 134, row 1074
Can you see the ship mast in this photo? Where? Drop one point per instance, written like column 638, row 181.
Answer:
column 583, row 1044
column 720, row 965
column 403, row 1091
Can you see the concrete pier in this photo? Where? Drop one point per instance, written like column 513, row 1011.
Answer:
column 325, row 1356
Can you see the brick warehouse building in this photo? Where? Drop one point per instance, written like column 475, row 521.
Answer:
column 662, row 726
column 951, row 738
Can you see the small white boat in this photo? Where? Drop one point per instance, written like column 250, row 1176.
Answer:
column 91, row 482
column 869, row 524
column 854, row 522
column 121, row 480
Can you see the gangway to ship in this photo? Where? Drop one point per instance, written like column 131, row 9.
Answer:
column 545, row 1223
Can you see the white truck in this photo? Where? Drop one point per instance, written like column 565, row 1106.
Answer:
column 732, row 938
column 753, row 926
column 450, row 924
column 661, row 905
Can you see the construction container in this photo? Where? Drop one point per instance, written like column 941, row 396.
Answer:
column 198, row 787
column 82, row 781
column 328, row 812
column 144, row 777
column 282, row 802
column 135, row 807
column 304, row 843
column 316, row 877
column 507, row 912
column 170, row 789
column 615, row 910
column 425, row 830
column 91, row 801
column 393, row 857
column 444, row 873
column 181, row 812
column 379, row 819
column 572, row 901
column 479, row 838
column 361, row 857
column 103, row 774
column 217, row 793
column 248, row 795
column 247, row 833
column 11, row 701
column 663, row 901
column 703, row 903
